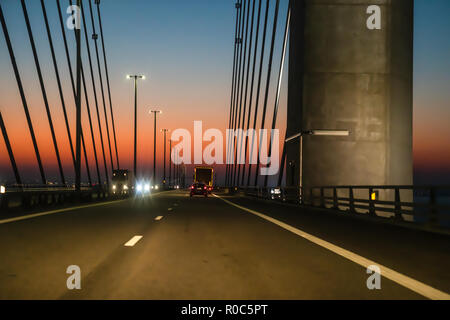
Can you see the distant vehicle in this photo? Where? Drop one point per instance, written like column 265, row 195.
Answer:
column 204, row 175
column 199, row 189
column 122, row 182
column 143, row 188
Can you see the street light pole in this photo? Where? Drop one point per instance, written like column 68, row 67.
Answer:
column 178, row 171
column 136, row 78
column 155, row 112
column 170, row 162
column 329, row 133
column 78, row 111
column 175, row 177
column 164, row 177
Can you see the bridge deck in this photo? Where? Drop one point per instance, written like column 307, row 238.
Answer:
column 208, row 249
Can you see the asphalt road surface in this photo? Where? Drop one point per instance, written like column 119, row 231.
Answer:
column 169, row 246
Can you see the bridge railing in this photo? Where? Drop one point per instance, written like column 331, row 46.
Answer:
column 29, row 197
column 426, row 205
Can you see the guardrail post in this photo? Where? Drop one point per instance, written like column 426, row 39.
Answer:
column 301, row 195
column 322, row 197
column 311, row 197
column 433, row 219
column 40, row 199
column 371, row 203
column 335, row 199
column 352, row 200
column 25, row 200
column 3, row 202
column 398, row 207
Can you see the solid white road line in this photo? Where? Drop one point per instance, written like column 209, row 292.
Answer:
column 158, row 218
column 35, row 215
column 133, row 241
column 405, row 281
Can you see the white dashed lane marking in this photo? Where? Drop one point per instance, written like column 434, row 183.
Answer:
column 133, row 241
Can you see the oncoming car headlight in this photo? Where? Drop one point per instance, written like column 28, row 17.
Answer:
column 275, row 191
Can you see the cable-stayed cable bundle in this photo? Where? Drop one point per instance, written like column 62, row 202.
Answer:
column 77, row 93
column 244, row 95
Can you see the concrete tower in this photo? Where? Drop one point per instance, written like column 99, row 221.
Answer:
column 351, row 68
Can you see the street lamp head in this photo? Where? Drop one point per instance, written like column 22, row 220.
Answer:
column 129, row 76
column 330, row 133
column 326, row 133
column 155, row 111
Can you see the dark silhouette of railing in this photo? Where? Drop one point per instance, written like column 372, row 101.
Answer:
column 27, row 197
column 420, row 205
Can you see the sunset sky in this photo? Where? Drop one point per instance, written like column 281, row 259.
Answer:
column 185, row 48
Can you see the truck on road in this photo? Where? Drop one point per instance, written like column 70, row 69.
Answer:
column 122, row 182
column 204, row 175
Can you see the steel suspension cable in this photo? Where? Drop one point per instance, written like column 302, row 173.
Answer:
column 95, row 37
column 251, row 89
column 233, row 120
column 280, row 79
column 69, row 64
column 246, row 92
column 74, row 91
column 58, row 80
column 78, row 105
column 241, row 89
column 238, row 6
column 86, row 95
column 22, row 95
column 238, row 55
column 107, row 81
column 261, row 64
column 43, row 91
column 10, row 152
column 269, row 73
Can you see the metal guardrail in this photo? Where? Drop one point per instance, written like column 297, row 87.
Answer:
column 24, row 197
column 426, row 205
column 40, row 196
